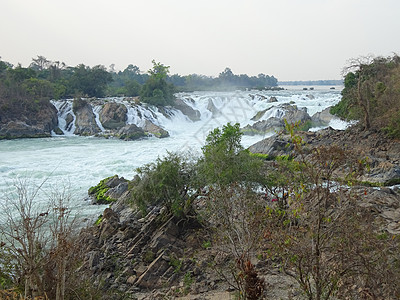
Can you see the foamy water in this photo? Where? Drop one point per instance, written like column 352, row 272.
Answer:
column 82, row 162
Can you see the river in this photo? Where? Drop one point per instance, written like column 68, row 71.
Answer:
column 81, row 162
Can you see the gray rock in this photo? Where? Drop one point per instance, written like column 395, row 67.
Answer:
column 130, row 132
column 19, row 120
column 322, row 118
column 191, row 113
column 151, row 276
column 85, row 121
column 272, row 100
column 211, row 107
column 273, row 146
column 291, row 114
column 113, row 115
column 155, row 130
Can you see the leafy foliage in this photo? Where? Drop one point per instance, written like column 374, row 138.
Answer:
column 156, row 90
column 372, row 89
column 225, row 161
column 166, row 182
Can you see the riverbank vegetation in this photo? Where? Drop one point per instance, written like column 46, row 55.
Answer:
column 303, row 221
column 371, row 93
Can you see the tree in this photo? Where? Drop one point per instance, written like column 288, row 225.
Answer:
column 230, row 176
column 90, row 81
column 157, row 91
column 38, row 240
column 225, row 161
column 369, row 93
column 40, row 63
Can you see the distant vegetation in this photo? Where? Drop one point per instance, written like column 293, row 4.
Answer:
column 312, row 82
column 45, row 79
column 371, row 94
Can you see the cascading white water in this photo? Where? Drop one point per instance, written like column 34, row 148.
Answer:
column 96, row 110
column 64, row 108
column 84, row 161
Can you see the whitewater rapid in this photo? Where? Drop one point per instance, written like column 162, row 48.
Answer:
column 81, row 162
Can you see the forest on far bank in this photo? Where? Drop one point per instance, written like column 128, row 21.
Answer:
column 46, row 79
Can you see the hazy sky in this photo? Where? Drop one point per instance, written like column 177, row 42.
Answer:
column 290, row 39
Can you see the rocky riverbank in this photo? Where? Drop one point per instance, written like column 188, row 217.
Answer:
column 157, row 256
column 381, row 153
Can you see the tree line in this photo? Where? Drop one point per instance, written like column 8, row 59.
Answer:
column 46, row 79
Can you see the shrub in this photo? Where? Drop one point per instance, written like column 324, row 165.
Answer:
column 165, row 182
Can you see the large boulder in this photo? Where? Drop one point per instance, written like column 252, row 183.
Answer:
column 294, row 114
column 130, row 132
column 291, row 114
column 322, row 118
column 264, row 126
column 211, row 107
column 85, row 122
column 188, row 111
column 155, row 130
column 23, row 118
column 273, row 146
column 113, row 115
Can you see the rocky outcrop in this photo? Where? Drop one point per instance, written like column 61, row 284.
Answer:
column 382, row 153
column 157, row 131
column 113, row 115
column 188, row 111
column 21, row 119
column 158, row 256
column 322, row 118
column 272, row 100
column 131, row 252
column 130, row 132
column 85, row 122
column 291, row 114
column 211, row 107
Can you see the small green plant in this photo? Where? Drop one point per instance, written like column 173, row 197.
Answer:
column 148, row 256
column 176, row 263
column 207, row 245
column 99, row 220
column 187, row 282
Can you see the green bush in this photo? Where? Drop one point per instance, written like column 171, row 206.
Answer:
column 165, row 182
column 225, row 161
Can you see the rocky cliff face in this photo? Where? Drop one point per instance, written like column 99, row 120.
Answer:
column 19, row 119
column 133, row 253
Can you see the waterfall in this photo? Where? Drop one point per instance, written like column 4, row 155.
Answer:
column 96, row 110
column 214, row 109
column 66, row 116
